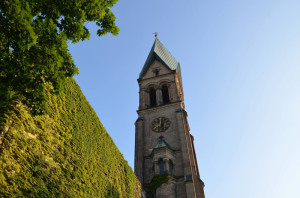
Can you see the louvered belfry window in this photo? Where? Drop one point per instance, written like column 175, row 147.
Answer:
column 152, row 94
column 165, row 94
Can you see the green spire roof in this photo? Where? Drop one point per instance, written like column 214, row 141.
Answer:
column 159, row 52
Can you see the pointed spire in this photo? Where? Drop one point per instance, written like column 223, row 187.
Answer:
column 160, row 53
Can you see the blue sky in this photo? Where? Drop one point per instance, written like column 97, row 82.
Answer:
column 241, row 78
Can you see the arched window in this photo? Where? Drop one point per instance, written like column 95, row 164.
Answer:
column 170, row 167
column 161, row 166
column 165, row 94
column 152, row 94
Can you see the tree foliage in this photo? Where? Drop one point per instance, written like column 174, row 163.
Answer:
column 33, row 44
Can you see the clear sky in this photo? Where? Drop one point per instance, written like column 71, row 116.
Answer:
column 240, row 63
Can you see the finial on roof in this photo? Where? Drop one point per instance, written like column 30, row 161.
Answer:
column 155, row 34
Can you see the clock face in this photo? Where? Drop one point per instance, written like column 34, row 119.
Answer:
column 160, row 124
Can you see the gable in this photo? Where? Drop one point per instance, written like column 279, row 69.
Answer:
column 156, row 66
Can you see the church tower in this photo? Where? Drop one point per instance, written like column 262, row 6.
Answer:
column 164, row 149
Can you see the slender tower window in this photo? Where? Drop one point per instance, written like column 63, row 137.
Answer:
column 165, row 93
column 152, row 94
column 170, row 167
column 161, row 166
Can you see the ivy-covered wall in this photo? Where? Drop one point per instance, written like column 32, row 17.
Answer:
column 66, row 153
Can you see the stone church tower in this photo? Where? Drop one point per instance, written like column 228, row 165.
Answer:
column 164, row 147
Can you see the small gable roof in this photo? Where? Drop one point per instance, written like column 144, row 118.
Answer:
column 162, row 143
column 159, row 52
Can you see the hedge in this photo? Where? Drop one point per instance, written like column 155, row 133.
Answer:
column 66, row 153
